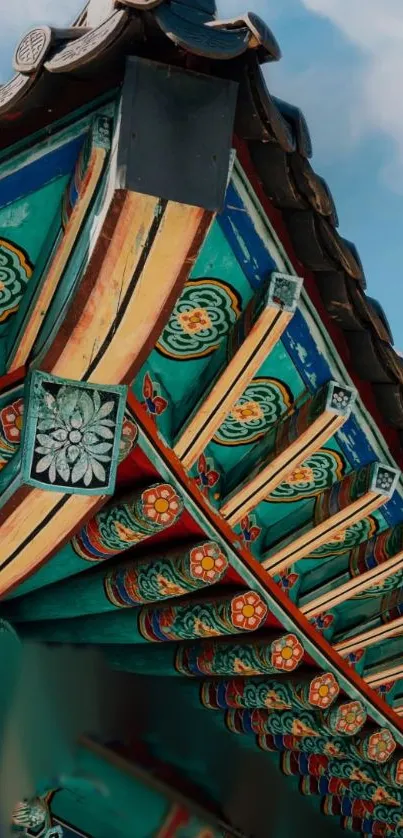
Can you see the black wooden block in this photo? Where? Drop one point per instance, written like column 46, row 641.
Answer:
column 176, row 133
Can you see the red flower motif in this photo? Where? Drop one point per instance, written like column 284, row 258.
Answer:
column 301, row 729
column 154, row 403
column 167, row 617
column 332, row 750
column 323, row 621
column 380, row 795
column 161, row 504
column 353, row 657
column 384, row 689
column 350, row 718
column 399, row 773
column 248, row 611
column 208, row 477
column 288, row 581
column 381, row 745
column 323, row 690
column 127, row 439
column 250, row 532
column 207, row 562
column 287, row 652
column 11, row 419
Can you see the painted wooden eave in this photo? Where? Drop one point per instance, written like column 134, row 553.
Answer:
column 94, row 346
column 275, row 147
column 253, row 574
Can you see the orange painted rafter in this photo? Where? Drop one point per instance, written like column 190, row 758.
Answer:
column 369, row 638
column 60, row 259
column 140, row 263
column 263, row 336
column 273, row 468
column 355, row 585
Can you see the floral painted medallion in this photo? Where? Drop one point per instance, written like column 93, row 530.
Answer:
column 260, row 406
column 345, row 540
column 11, row 423
column 72, row 435
column 15, row 271
column 202, row 317
column 312, row 477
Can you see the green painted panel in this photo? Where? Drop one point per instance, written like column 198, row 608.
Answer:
column 27, row 234
column 119, row 805
column 275, row 387
column 26, row 221
column 185, row 351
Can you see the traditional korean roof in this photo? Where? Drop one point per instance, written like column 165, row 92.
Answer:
column 294, row 531
column 51, row 63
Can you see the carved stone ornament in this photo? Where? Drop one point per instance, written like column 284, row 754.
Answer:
column 90, row 46
column 13, row 91
column 72, row 435
column 32, row 50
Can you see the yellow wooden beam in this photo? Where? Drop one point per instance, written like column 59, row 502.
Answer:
column 39, row 524
column 64, row 249
column 148, row 259
column 341, row 506
column 255, row 335
column 284, row 449
column 354, row 586
column 383, row 676
column 144, row 254
column 370, row 638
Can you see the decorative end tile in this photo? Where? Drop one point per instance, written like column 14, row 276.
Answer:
column 340, row 398
column 384, row 479
column 284, row 291
column 102, row 132
column 72, row 435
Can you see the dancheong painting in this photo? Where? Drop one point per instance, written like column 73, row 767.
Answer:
column 201, row 418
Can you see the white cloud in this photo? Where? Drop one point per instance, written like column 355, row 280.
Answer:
column 375, row 27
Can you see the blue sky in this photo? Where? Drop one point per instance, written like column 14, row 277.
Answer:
column 342, row 65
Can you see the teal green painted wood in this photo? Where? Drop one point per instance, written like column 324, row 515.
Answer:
column 147, row 578
column 346, row 719
column 144, row 660
column 96, row 629
column 115, row 529
column 10, row 659
column 249, row 693
column 224, row 656
column 119, row 806
column 125, row 801
column 180, row 621
column 223, row 294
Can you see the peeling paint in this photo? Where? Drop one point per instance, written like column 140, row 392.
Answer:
column 350, row 444
column 301, row 352
column 14, row 216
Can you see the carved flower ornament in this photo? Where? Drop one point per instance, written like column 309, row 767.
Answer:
column 75, row 433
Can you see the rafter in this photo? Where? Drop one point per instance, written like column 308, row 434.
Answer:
column 254, row 336
column 285, row 448
column 344, row 504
